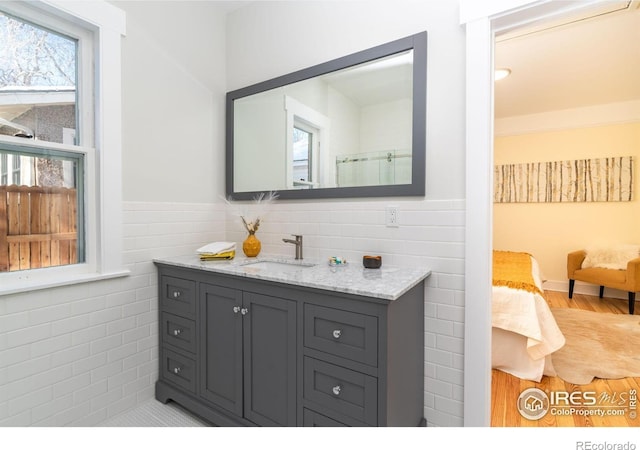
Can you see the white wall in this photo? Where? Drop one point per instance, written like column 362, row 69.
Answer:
column 77, row 355
column 268, row 39
column 173, row 101
column 102, row 336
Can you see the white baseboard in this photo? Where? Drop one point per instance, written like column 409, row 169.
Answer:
column 583, row 288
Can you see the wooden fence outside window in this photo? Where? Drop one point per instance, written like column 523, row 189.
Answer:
column 38, row 227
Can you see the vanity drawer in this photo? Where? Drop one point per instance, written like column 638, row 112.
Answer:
column 314, row 419
column 179, row 370
column 342, row 333
column 178, row 296
column 179, row 332
column 344, row 391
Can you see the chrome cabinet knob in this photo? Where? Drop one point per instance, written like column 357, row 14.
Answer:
column 337, row 334
column 177, row 332
column 244, row 311
column 176, row 294
column 336, row 390
column 236, row 309
column 176, row 370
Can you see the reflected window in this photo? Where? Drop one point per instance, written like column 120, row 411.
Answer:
column 302, row 153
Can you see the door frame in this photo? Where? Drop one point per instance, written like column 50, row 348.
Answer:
column 482, row 20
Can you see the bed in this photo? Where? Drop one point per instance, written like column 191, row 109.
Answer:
column 524, row 332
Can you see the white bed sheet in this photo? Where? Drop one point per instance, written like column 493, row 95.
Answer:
column 524, row 333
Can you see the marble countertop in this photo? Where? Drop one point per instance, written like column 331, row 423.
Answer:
column 387, row 282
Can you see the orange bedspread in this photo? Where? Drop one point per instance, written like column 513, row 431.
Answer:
column 513, row 269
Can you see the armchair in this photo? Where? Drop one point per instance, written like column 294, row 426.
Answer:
column 625, row 280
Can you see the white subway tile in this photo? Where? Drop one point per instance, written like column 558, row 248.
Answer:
column 136, row 360
column 90, row 363
column 27, row 335
column 136, row 308
column 107, row 343
column 92, row 420
column 27, row 368
column 65, row 418
column 122, row 352
column 120, row 379
column 14, row 355
column 452, row 313
column 135, row 334
column 51, row 408
column 105, row 315
column 70, row 385
column 449, row 406
column 88, row 334
column 69, row 325
column 70, row 355
column 87, row 393
column 29, row 400
column 121, row 405
column 450, row 375
column 106, row 371
column 50, row 314
column 11, row 322
column 121, row 325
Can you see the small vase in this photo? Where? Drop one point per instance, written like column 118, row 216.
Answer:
column 251, row 246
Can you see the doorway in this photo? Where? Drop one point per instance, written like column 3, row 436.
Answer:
column 482, row 23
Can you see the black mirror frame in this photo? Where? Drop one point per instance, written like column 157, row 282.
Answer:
column 417, row 42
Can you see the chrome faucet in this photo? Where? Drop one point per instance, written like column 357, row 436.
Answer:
column 298, row 242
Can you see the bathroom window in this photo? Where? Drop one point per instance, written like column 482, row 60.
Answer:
column 304, row 138
column 59, row 223
column 43, row 198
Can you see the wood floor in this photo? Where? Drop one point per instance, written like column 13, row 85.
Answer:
column 506, row 388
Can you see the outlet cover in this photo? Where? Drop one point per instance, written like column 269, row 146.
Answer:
column 391, row 216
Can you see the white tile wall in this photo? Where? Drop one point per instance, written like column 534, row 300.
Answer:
column 431, row 233
column 79, row 355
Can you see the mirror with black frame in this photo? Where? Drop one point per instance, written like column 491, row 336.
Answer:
column 351, row 127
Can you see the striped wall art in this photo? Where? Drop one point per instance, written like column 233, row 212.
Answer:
column 582, row 180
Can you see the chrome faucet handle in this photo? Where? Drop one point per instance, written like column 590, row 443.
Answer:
column 297, row 242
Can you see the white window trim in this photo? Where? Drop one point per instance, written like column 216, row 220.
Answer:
column 320, row 163
column 102, row 163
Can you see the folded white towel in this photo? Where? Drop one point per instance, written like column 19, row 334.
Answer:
column 217, row 247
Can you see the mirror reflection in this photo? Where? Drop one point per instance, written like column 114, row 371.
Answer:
column 347, row 128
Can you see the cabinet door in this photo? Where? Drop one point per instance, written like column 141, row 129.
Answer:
column 221, row 347
column 269, row 360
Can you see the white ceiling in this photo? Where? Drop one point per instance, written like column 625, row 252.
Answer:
column 590, row 61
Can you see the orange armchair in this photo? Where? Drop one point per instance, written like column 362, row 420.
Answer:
column 625, row 280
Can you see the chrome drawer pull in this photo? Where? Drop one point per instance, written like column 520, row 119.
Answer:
column 337, row 334
column 236, row 309
column 176, row 294
column 177, row 332
column 244, row 311
column 336, row 390
column 177, row 370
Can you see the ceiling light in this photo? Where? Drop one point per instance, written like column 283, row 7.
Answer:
column 502, row 73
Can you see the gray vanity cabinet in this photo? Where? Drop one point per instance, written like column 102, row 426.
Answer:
column 248, row 354
column 242, row 351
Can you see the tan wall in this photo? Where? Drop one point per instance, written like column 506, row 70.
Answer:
column 550, row 230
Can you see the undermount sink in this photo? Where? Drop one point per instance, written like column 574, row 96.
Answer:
column 278, row 266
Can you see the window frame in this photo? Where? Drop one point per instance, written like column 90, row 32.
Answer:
column 99, row 27
column 312, row 149
column 298, row 114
